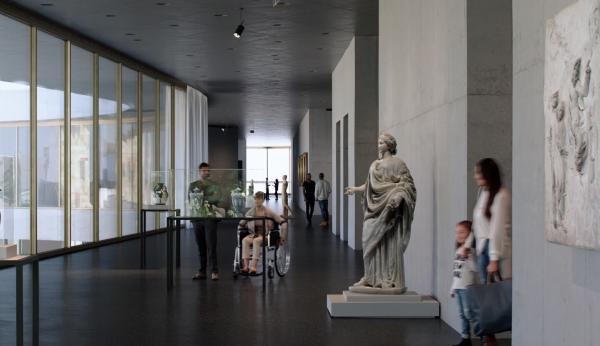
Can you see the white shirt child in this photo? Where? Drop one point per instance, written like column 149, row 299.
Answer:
column 464, row 271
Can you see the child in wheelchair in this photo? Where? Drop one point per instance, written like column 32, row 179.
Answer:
column 257, row 233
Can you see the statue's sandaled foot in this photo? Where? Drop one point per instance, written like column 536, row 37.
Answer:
column 362, row 282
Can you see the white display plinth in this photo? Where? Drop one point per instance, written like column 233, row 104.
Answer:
column 8, row 251
column 362, row 305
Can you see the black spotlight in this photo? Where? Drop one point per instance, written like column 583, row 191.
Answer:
column 240, row 28
column 238, row 31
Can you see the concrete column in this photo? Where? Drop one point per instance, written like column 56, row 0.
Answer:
column 355, row 94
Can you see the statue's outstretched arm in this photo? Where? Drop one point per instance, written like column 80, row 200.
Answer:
column 350, row 190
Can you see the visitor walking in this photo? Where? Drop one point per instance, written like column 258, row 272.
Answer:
column 267, row 189
column 206, row 231
column 322, row 192
column 464, row 271
column 308, row 188
column 492, row 226
column 276, row 187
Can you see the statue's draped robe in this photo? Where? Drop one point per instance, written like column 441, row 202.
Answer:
column 386, row 231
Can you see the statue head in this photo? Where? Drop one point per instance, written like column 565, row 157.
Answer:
column 576, row 72
column 386, row 143
column 284, row 178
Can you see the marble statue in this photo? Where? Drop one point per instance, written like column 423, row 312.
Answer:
column 284, row 198
column 389, row 198
column 572, row 106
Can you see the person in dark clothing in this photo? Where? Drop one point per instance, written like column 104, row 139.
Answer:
column 308, row 188
column 276, row 187
column 267, row 189
column 206, row 231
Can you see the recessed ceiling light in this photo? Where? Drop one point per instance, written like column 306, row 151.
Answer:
column 320, row 48
column 277, row 24
column 251, row 131
column 129, row 34
column 220, row 14
column 47, row 4
column 276, row 59
column 278, row 41
column 110, row 15
column 137, row 39
column 230, row 48
column 197, row 66
column 274, row 55
column 162, row 3
column 237, row 71
column 173, row 25
column 189, row 55
column 324, row 33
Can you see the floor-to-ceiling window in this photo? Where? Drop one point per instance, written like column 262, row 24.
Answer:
column 14, row 133
column 82, row 146
column 50, row 142
column 108, row 149
column 90, row 117
column 165, row 137
column 268, row 162
column 148, row 143
column 129, row 150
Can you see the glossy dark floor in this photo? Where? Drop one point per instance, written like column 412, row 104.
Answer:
column 100, row 297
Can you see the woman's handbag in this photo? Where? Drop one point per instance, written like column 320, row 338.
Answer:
column 491, row 306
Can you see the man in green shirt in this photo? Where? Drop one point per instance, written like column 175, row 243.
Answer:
column 206, row 231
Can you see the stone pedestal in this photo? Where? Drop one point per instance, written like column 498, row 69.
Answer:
column 363, row 305
column 8, row 251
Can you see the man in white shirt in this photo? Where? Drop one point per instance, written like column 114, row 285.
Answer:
column 322, row 192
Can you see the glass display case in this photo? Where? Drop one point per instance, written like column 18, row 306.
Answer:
column 216, row 193
column 162, row 186
column 212, row 192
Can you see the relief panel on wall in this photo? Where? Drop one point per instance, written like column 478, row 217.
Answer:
column 572, row 117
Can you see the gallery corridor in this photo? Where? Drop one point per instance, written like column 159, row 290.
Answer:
column 130, row 306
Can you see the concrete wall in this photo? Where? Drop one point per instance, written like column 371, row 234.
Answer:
column 223, row 147
column 423, row 103
column 319, row 156
column 312, row 137
column 489, row 86
column 355, row 94
column 556, row 298
column 343, row 102
column 445, row 94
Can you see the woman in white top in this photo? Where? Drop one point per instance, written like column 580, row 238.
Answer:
column 492, row 221
column 492, row 225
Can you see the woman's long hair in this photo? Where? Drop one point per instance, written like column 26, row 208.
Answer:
column 491, row 173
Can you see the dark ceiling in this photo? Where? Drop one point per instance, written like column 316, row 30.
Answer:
column 265, row 81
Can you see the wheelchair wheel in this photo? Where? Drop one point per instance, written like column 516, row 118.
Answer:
column 282, row 259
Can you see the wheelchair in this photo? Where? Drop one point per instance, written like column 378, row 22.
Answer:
column 278, row 254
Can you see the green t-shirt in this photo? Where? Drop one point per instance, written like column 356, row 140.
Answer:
column 209, row 188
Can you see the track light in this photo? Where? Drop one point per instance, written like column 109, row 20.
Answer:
column 240, row 28
column 238, row 31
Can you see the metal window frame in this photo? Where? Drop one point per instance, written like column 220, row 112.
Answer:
column 69, row 38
